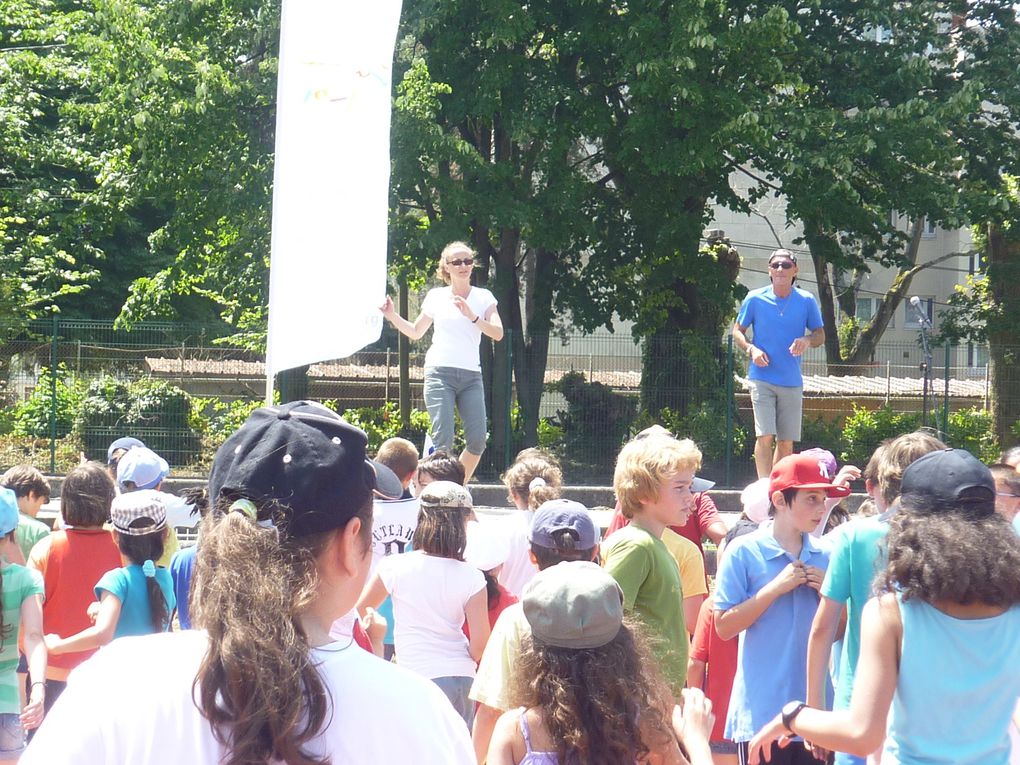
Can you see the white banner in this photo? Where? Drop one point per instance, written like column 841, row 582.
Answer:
column 331, row 181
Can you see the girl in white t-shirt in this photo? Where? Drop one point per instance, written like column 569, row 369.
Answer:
column 434, row 592
column 453, row 373
column 533, row 479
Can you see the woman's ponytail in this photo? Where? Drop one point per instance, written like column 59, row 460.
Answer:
column 257, row 684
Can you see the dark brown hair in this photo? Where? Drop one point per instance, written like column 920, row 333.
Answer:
column 86, row 496
column 945, row 554
column 600, row 705
column 24, row 480
column 259, row 687
column 441, row 531
column 443, row 467
column 565, row 550
column 141, row 548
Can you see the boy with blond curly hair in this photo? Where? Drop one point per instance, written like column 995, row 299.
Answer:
column 652, row 481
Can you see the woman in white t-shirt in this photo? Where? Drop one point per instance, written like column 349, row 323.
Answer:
column 434, row 592
column 453, row 373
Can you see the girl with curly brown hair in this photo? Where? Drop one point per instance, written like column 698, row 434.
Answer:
column 940, row 644
column 587, row 690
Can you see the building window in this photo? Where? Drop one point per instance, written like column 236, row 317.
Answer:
column 867, row 307
column 928, row 230
column 975, row 264
column 910, row 318
column 977, row 355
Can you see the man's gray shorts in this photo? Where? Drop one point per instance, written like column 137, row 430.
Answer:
column 778, row 410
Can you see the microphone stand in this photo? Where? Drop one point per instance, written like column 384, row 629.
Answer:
column 928, row 383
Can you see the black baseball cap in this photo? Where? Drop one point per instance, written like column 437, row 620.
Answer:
column 302, row 456
column 947, row 476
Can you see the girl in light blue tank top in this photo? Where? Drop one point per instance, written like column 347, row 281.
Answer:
column 592, row 693
column 940, row 649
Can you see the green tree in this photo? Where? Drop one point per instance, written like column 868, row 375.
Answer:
column 578, row 145
column 987, row 309
column 908, row 109
column 45, row 166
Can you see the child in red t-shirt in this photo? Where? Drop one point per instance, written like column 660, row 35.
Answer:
column 719, row 657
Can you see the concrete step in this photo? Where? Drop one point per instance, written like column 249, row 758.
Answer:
column 494, row 495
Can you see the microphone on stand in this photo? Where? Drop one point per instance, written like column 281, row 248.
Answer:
column 922, row 314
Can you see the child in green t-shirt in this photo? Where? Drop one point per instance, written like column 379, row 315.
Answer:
column 22, row 607
column 653, row 482
column 33, row 491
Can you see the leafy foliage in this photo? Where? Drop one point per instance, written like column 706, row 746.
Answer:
column 32, row 416
column 596, row 421
column 705, row 424
column 380, row 423
column 866, row 428
column 971, row 429
column 158, row 413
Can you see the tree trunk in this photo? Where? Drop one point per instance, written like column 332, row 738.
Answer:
column 530, row 364
column 681, row 361
column 863, row 350
column 824, row 249
column 1004, row 336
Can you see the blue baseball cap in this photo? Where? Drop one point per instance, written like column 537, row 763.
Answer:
column 121, row 443
column 8, row 511
column 142, row 467
column 563, row 515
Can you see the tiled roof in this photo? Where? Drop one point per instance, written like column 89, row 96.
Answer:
column 826, row 385
column 814, row 385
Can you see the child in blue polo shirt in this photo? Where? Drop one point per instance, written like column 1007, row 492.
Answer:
column 767, row 593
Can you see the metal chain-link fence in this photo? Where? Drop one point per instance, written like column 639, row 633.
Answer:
column 72, row 386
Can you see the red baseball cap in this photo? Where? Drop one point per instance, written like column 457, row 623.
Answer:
column 804, row 471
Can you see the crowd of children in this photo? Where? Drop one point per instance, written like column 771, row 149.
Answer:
column 340, row 608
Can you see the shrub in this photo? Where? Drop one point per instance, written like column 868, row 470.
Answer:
column 158, row 413
column 705, row 424
column 865, row 429
column 971, row 429
column 826, row 434
column 550, row 435
column 32, row 416
column 382, row 422
column 596, row 421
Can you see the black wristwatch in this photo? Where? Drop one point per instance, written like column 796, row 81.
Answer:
column 790, row 712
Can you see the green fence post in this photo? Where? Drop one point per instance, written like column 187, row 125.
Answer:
column 729, row 408
column 508, row 337
column 53, row 394
column 944, row 435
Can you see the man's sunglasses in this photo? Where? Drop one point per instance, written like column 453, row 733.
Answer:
column 783, row 264
column 461, row 262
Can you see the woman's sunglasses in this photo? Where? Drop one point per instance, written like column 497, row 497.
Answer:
column 783, row 264
column 461, row 262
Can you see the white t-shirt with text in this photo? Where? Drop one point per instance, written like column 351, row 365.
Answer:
column 393, row 525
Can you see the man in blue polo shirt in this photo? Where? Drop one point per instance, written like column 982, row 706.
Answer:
column 780, row 314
